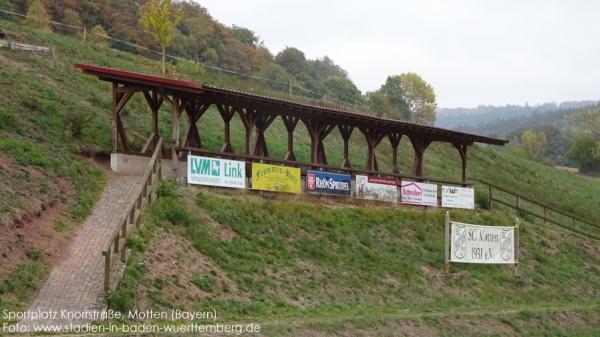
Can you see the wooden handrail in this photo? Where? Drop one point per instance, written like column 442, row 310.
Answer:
column 544, row 206
column 143, row 196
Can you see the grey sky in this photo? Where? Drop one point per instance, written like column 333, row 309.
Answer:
column 472, row 52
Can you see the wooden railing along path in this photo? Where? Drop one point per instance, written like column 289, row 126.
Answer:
column 145, row 196
column 547, row 211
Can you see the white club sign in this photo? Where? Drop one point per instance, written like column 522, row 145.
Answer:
column 468, row 243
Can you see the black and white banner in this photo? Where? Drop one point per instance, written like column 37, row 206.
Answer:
column 481, row 244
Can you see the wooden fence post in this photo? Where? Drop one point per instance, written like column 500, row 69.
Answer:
column 490, row 195
column 517, row 224
column 446, row 242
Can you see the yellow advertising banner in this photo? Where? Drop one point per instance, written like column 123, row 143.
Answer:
column 275, row 178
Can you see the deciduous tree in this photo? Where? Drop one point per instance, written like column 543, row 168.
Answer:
column 39, row 16
column 158, row 18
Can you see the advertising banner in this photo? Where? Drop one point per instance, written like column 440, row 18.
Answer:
column 216, row 172
column 481, row 244
column 458, row 197
column 276, row 178
column 323, row 182
column 374, row 188
column 416, row 193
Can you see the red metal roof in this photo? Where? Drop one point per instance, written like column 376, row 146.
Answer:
column 137, row 77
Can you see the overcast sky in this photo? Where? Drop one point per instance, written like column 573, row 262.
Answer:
column 472, row 52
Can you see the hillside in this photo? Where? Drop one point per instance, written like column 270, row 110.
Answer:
column 492, row 118
column 303, row 266
column 52, row 116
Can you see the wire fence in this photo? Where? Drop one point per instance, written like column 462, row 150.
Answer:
column 290, row 86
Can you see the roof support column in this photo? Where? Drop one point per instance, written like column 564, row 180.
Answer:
column 262, row 122
column 226, row 112
column 177, row 105
column 373, row 138
column 248, row 116
column 346, row 132
column 419, row 145
column 462, row 150
column 194, row 111
column 154, row 100
column 317, row 131
column 120, row 97
column 395, row 138
column 290, row 123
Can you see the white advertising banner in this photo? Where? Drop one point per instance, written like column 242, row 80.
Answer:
column 458, row 197
column 216, row 172
column 374, row 188
column 415, row 193
column 481, row 244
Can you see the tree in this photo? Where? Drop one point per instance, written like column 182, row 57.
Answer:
column 98, row 35
column 71, row 18
column 5, row 5
column 158, row 19
column 325, row 68
column 394, row 91
column 292, row 60
column 585, row 153
column 121, row 35
column 39, row 14
column 533, row 143
column 245, row 36
column 342, row 89
column 379, row 104
column 276, row 75
column 419, row 98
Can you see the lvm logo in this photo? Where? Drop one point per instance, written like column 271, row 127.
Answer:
column 206, row 167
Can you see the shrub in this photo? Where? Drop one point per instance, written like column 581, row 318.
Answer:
column 204, row 283
column 75, row 123
column 482, row 200
column 170, row 210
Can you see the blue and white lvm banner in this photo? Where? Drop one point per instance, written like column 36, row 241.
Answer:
column 324, row 182
column 216, row 172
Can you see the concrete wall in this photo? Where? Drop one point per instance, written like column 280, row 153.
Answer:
column 134, row 165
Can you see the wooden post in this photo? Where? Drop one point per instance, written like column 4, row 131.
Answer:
column 394, row 141
column 517, row 224
column 517, row 202
column 107, row 271
column 447, row 242
column 346, row 132
column 124, row 235
column 545, row 215
column 84, row 33
column 490, row 194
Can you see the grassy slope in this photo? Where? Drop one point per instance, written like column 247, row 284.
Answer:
column 41, row 92
column 298, row 264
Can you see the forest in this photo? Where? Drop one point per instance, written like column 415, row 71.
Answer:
column 199, row 37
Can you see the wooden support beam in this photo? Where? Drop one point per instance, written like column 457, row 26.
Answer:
column 227, row 112
column 155, row 100
column 120, row 99
column 346, row 132
column 194, row 111
column 373, row 137
column 248, row 116
column 290, row 123
column 419, row 145
column 395, row 138
column 262, row 122
column 318, row 131
column 462, row 150
column 177, row 105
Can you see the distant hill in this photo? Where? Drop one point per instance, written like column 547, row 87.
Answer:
column 474, row 118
